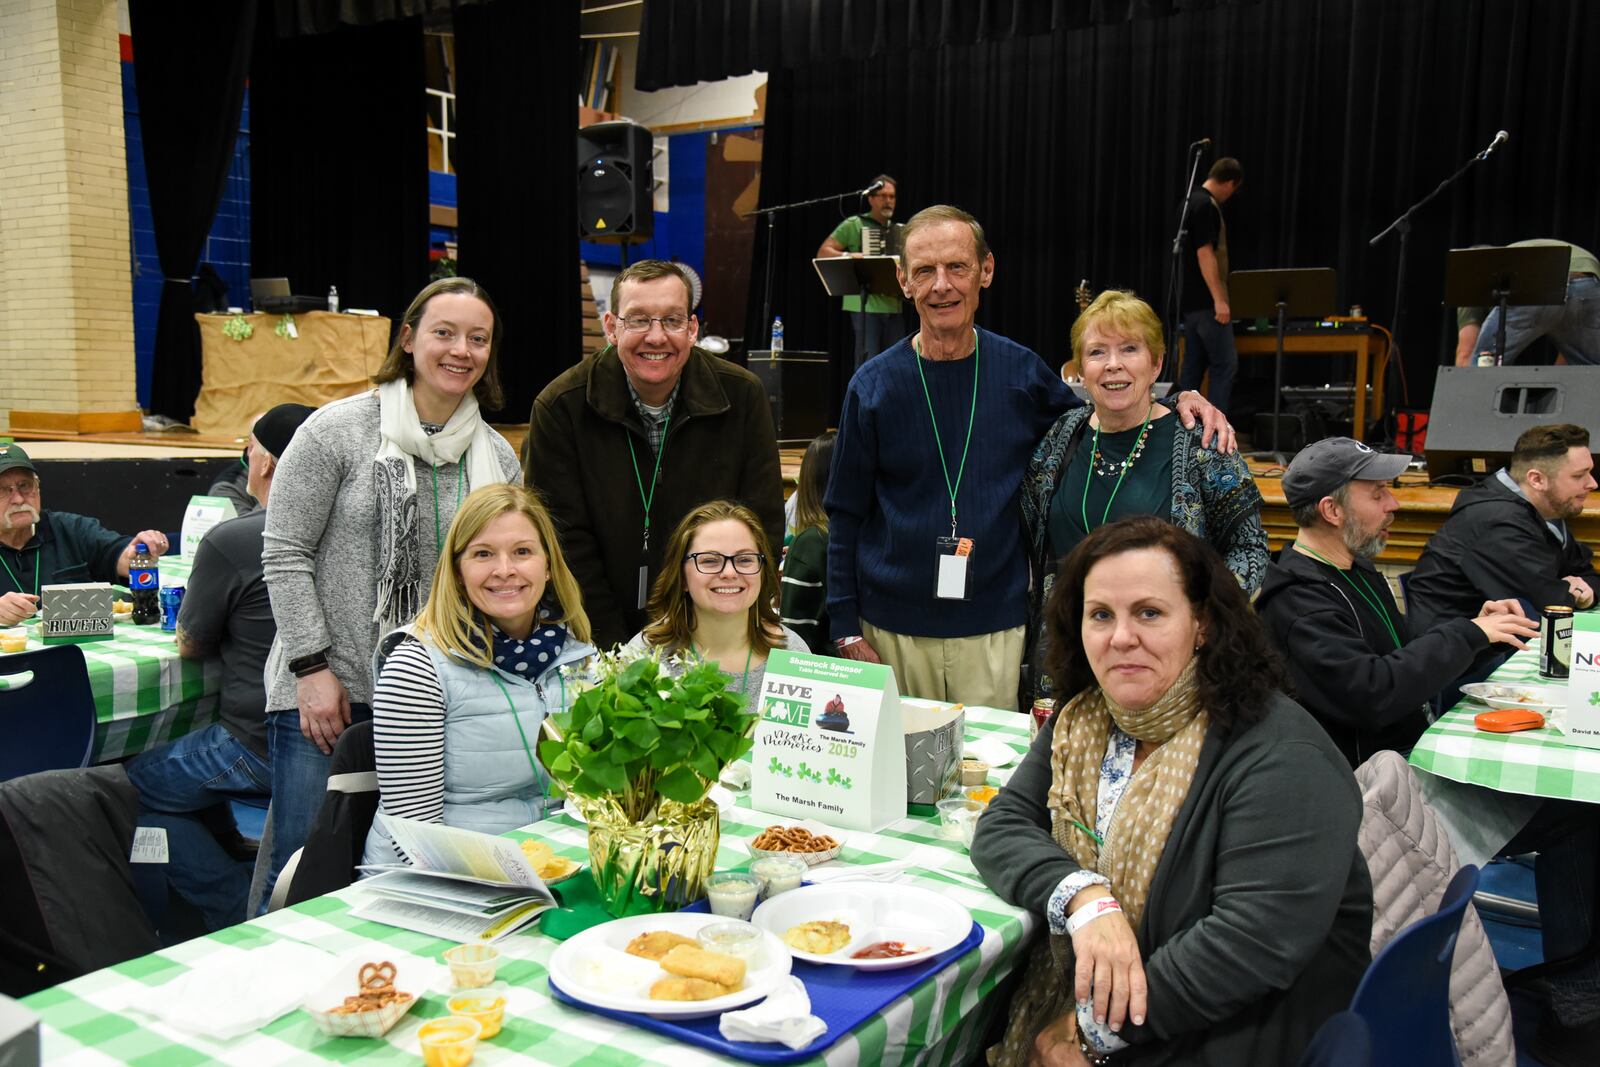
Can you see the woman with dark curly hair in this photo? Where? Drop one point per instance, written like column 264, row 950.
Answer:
column 1186, row 830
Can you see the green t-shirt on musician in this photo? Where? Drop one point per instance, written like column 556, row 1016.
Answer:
column 848, row 234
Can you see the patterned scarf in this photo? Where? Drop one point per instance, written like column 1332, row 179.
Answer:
column 1134, row 842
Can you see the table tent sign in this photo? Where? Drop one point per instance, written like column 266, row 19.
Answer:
column 203, row 513
column 75, row 613
column 1582, row 725
column 829, row 745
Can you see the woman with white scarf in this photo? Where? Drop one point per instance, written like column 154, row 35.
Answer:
column 360, row 505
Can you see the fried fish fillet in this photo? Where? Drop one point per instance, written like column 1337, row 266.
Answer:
column 677, row 988
column 818, row 938
column 657, row 943
column 694, row 962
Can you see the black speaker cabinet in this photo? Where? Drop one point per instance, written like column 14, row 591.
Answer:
column 616, row 181
column 797, row 389
column 1479, row 412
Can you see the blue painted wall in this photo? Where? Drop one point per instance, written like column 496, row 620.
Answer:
column 227, row 248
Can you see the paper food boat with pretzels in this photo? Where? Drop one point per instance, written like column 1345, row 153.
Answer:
column 363, row 999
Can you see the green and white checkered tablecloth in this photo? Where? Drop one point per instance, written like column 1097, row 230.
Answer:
column 1533, row 762
column 145, row 694
column 87, row 1022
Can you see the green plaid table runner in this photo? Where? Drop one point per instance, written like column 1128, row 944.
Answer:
column 145, row 694
column 941, row 1021
column 1534, row 762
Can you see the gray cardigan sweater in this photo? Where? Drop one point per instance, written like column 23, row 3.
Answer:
column 1257, row 924
column 320, row 549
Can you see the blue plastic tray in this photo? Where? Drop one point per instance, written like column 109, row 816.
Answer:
column 842, row 997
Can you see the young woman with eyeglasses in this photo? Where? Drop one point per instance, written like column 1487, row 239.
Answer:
column 720, row 602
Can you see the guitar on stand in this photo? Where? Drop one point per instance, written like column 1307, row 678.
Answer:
column 1070, row 372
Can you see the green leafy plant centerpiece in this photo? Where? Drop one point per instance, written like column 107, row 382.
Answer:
column 637, row 752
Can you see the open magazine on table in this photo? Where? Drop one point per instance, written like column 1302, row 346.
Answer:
column 460, row 884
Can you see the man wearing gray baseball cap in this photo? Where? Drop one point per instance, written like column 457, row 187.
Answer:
column 1355, row 664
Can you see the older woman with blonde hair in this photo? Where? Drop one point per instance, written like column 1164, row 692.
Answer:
column 463, row 690
column 719, row 602
column 1126, row 455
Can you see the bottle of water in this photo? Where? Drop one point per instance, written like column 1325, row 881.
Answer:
column 333, row 298
column 777, row 336
column 145, row 583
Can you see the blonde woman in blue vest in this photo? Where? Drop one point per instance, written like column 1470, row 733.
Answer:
column 461, row 695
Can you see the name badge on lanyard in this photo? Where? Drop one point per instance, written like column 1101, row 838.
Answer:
column 952, row 575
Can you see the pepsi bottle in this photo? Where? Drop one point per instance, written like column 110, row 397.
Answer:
column 144, row 581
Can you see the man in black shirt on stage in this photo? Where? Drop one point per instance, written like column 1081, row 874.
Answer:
column 1207, row 321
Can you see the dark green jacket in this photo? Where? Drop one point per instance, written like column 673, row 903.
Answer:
column 1260, row 912
column 66, row 548
column 720, row 445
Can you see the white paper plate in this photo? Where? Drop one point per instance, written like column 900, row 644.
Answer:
column 595, row 968
column 723, row 796
column 815, row 828
column 1517, row 695
column 874, row 912
column 991, row 750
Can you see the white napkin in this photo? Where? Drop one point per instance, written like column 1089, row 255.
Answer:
column 992, row 750
column 784, row 1016
column 235, row 993
column 736, row 775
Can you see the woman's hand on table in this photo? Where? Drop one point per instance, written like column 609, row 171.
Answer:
column 324, row 708
column 1057, row 1044
column 14, row 607
column 1108, row 962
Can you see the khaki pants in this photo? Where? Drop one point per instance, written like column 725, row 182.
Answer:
column 980, row 671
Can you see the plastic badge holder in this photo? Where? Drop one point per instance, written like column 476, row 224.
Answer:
column 842, row 997
column 1508, row 720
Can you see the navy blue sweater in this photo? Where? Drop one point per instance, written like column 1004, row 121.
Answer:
column 887, row 502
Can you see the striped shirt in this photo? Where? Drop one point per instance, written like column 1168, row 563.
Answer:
column 408, row 734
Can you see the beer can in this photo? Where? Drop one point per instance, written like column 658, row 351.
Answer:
column 1039, row 716
column 171, row 601
column 1555, row 641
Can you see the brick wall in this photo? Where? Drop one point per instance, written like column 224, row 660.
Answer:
column 65, row 291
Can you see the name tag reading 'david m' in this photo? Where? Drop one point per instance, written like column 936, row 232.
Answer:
column 952, row 576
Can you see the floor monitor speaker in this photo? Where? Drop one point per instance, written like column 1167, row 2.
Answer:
column 616, row 181
column 1479, row 412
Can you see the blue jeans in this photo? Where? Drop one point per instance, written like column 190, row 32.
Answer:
column 299, row 780
column 197, row 772
column 1208, row 345
column 1566, row 835
column 1574, row 327
column 880, row 329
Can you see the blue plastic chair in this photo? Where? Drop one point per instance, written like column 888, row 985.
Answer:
column 1405, row 994
column 1342, row 1041
column 47, row 715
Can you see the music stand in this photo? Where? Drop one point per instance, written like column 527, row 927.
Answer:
column 1307, row 292
column 1528, row 275
column 865, row 275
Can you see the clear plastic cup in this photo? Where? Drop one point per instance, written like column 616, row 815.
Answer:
column 487, row 1009
column 472, row 966
column 779, row 874
column 957, row 817
column 740, row 939
column 449, row 1042
column 733, row 894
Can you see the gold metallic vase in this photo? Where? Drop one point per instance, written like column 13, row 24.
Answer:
column 660, row 863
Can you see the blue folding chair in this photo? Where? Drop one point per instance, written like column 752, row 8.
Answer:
column 47, row 715
column 1342, row 1041
column 1405, row 994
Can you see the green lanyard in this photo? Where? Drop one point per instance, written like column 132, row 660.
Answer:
column 438, row 527
column 1368, row 594
column 648, row 498
column 534, row 767
column 972, row 417
column 37, row 552
column 1083, row 505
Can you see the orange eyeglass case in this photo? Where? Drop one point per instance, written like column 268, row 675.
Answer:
column 1509, row 720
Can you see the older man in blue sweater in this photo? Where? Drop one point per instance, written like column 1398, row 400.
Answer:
column 926, row 568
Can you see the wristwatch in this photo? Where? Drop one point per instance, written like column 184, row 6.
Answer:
column 317, row 661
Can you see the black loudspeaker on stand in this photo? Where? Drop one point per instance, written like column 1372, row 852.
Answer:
column 1479, row 412
column 616, row 181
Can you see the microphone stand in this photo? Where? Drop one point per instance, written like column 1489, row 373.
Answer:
column 1175, row 279
column 1402, row 226
column 770, row 215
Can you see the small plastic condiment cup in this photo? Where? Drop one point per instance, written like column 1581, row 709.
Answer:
column 449, row 1042
column 733, row 894
column 13, row 640
column 974, row 772
column 778, row 874
column 740, row 939
column 487, row 1009
column 472, row 966
column 955, row 813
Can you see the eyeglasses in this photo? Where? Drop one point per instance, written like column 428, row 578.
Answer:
column 23, row 489
column 956, row 272
column 713, row 562
column 641, row 323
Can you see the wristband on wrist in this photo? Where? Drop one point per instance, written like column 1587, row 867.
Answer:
column 1090, row 912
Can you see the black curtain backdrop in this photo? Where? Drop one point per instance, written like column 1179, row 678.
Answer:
column 189, row 63
column 339, row 163
column 515, row 157
column 1069, row 147
column 685, row 41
